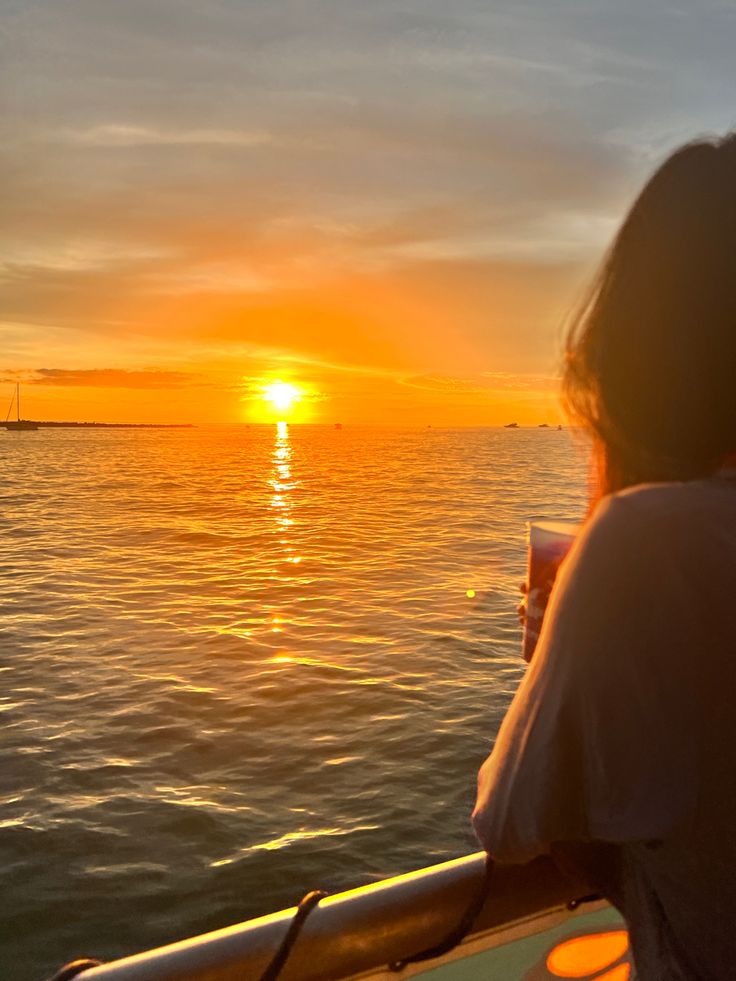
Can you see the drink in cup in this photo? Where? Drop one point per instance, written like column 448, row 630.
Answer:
column 549, row 543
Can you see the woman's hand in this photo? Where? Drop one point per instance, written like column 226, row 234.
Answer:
column 521, row 608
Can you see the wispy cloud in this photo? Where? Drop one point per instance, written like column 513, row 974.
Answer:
column 484, row 383
column 121, row 135
column 104, row 378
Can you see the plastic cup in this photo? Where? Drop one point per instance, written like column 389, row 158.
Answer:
column 549, row 543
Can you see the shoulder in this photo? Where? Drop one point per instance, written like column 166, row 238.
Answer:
column 630, row 537
column 624, row 585
column 670, row 518
column 644, row 546
column 664, row 498
column 647, row 509
column 618, row 517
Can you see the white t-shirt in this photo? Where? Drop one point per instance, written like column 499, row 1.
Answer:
column 624, row 728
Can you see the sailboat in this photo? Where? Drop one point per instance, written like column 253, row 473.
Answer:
column 19, row 424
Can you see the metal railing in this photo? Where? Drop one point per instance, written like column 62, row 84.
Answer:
column 360, row 932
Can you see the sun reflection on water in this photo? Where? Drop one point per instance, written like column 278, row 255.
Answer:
column 281, row 479
column 283, row 484
column 284, row 657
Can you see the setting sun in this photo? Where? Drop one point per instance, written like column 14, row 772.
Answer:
column 282, row 395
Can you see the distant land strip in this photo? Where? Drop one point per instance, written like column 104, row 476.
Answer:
column 101, row 425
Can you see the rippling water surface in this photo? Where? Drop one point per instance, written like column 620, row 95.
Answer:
column 239, row 663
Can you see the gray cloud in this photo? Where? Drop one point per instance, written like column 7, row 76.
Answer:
column 105, row 378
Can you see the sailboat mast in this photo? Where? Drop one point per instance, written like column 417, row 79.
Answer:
column 17, row 398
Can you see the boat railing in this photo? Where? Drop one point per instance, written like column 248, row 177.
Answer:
column 359, row 933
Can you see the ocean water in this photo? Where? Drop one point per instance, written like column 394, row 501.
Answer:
column 239, row 663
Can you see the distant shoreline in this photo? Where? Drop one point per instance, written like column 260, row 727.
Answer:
column 106, row 425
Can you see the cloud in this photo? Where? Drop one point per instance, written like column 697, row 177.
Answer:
column 416, row 317
column 488, row 381
column 446, row 384
column 105, row 378
column 118, row 135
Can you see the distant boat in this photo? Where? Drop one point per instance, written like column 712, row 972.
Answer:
column 19, row 424
column 511, row 425
column 338, row 425
column 543, row 425
column 559, row 429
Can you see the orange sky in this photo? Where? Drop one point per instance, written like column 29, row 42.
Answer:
column 393, row 207
column 405, row 346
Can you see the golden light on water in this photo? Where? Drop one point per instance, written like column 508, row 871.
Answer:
column 283, row 483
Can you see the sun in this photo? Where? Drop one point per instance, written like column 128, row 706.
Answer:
column 281, row 395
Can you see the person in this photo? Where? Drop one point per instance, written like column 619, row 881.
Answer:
column 618, row 752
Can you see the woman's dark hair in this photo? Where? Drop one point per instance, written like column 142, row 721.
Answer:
column 650, row 364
